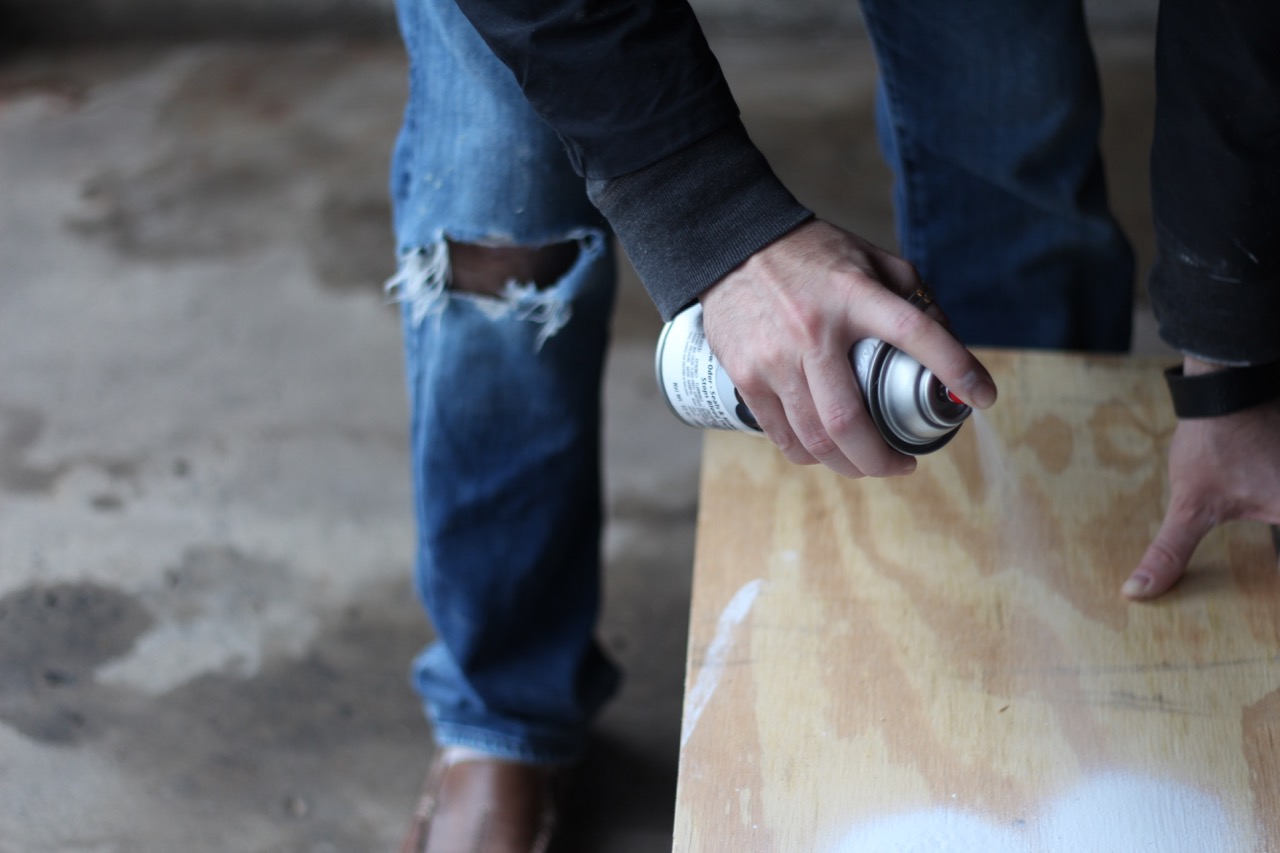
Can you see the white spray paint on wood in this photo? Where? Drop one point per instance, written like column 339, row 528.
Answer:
column 717, row 655
column 1109, row 813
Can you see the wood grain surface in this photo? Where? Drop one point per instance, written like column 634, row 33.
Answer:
column 944, row 662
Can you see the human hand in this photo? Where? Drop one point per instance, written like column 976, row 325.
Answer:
column 782, row 325
column 1220, row 469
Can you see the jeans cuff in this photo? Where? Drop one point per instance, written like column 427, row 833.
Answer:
column 530, row 749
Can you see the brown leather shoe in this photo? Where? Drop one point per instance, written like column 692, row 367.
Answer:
column 485, row 805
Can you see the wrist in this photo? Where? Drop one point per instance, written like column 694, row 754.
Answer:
column 1192, row 366
column 1202, row 389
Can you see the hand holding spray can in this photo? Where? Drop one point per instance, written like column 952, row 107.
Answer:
column 913, row 410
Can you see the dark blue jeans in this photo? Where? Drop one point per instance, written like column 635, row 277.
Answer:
column 991, row 122
column 989, row 114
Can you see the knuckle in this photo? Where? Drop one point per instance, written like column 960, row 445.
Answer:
column 821, row 446
column 752, row 387
column 807, row 328
column 910, row 325
column 903, row 269
column 793, row 451
column 838, row 426
column 864, row 281
column 845, row 420
column 846, row 424
column 1165, row 559
column 782, row 439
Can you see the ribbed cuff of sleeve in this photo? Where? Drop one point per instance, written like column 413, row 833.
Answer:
column 690, row 219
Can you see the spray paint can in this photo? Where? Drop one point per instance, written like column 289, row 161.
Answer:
column 913, row 410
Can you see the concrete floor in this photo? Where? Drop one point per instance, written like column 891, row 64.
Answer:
column 205, row 611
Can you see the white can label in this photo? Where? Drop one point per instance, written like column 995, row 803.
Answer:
column 691, row 378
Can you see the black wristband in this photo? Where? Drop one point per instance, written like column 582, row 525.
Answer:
column 1224, row 391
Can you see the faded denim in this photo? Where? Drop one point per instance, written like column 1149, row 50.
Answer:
column 505, row 406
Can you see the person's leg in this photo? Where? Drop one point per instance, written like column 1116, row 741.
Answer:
column 989, row 115
column 506, row 283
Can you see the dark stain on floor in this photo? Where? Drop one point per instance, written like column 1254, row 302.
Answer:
column 52, row 640
column 20, row 431
column 303, row 741
column 254, row 138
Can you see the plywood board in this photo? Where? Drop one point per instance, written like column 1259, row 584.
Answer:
column 943, row 661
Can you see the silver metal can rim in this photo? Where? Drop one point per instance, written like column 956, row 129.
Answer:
column 874, row 397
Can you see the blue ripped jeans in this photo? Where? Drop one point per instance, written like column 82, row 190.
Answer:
column 1002, row 209
column 504, row 404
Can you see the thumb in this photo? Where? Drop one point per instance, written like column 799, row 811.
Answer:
column 1168, row 554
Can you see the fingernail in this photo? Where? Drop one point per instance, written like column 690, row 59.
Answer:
column 908, row 466
column 1136, row 586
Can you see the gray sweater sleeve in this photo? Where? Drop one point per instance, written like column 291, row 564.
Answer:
column 692, row 217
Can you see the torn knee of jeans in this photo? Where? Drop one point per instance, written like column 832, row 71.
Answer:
column 548, row 309
column 420, row 279
column 486, row 269
column 503, row 281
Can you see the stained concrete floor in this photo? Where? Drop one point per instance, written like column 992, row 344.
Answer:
column 205, row 611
